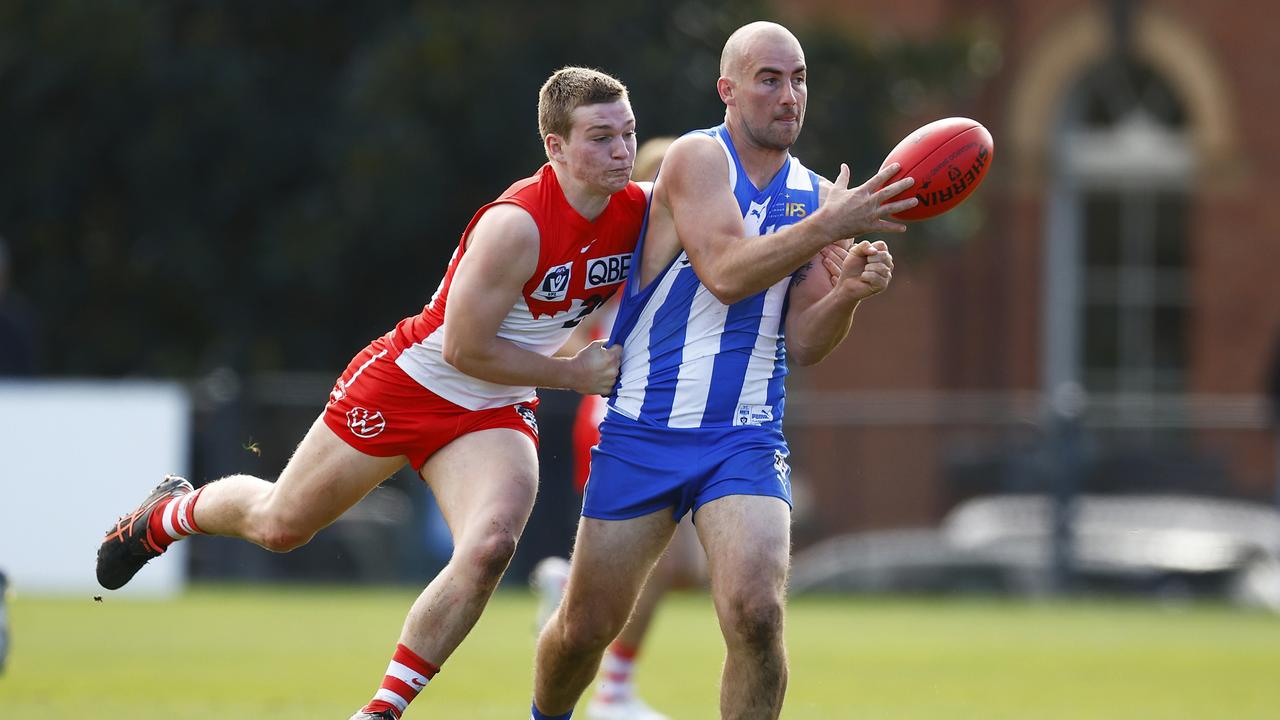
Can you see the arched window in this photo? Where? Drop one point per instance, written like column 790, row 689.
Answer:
column 1116, row 270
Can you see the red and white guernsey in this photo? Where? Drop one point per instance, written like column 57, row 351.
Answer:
column 581, row 264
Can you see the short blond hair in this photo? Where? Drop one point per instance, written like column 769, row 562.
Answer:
column 569, row 89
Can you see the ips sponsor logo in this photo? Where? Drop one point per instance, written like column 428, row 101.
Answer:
column 609, row 270
column 555, row 284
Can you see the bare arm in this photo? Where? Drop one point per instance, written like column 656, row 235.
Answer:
column 502, row 253
column 695, row 186
column 823, row 299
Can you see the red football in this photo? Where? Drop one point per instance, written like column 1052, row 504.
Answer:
column 948, row 158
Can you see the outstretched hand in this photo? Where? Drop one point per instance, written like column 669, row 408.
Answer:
column 864, row 209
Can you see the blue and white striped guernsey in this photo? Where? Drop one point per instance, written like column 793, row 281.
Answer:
column 689, row 361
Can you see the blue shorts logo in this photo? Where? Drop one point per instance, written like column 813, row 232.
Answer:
column 782, row 468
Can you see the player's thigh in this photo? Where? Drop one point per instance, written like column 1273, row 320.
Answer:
column 325, row 477
column 484, row 477
column 747, row 539
column 611, row 559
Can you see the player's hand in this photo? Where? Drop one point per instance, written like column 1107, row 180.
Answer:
column 865, row 270
column 833, row 257
column 864, row 209
column 597, row 368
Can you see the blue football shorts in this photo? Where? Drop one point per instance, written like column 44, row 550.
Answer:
column 638, row 469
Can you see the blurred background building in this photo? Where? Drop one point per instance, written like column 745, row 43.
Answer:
column 239, row 195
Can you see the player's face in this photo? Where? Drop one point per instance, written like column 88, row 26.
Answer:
column 602, row 145
column 770, row 95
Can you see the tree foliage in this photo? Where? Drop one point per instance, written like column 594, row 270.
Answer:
column 191, row 184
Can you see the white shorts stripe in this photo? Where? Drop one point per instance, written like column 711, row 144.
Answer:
column 360, row 369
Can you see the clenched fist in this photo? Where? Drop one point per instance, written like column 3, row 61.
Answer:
column 597, row 368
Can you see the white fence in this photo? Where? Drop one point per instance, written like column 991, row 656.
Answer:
column 74, row 455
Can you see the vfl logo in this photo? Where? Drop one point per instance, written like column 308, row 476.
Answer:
column 528, row 416
column 609, row 270
column 365, row 424
column 555, row 284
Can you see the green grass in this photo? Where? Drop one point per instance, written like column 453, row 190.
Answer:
column 309, row 653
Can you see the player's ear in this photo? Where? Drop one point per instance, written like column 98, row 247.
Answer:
column 555, row 147
column 724, row 86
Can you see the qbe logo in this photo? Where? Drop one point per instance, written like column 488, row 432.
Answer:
column 555, row 284
column 609, row 270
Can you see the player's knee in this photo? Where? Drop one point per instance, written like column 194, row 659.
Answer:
column 589, row 632
column 281, row 534
column 491, row 554
column 756, row 618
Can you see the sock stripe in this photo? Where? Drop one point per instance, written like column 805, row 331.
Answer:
column 535, row 714
column 407, row 675
column 186, row 513
column 411, row 660
column 167, row 520
column 623, row 651
column 395, row 702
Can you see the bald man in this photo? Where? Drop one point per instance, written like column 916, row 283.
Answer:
column 746, row 260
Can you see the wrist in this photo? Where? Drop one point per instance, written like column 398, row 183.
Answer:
column 823, row 227
column 566, row 373
column 847, row 298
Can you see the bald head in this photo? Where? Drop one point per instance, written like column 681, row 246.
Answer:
column 750, row 41
column 764, row 85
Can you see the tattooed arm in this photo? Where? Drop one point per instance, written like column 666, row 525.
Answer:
column 823, row 299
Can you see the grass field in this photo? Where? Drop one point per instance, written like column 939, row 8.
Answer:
column 310, row 654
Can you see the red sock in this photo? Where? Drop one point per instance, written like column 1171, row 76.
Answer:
column 406, row 676
column 173, row 519
column 619, row 649
column 615, row 673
